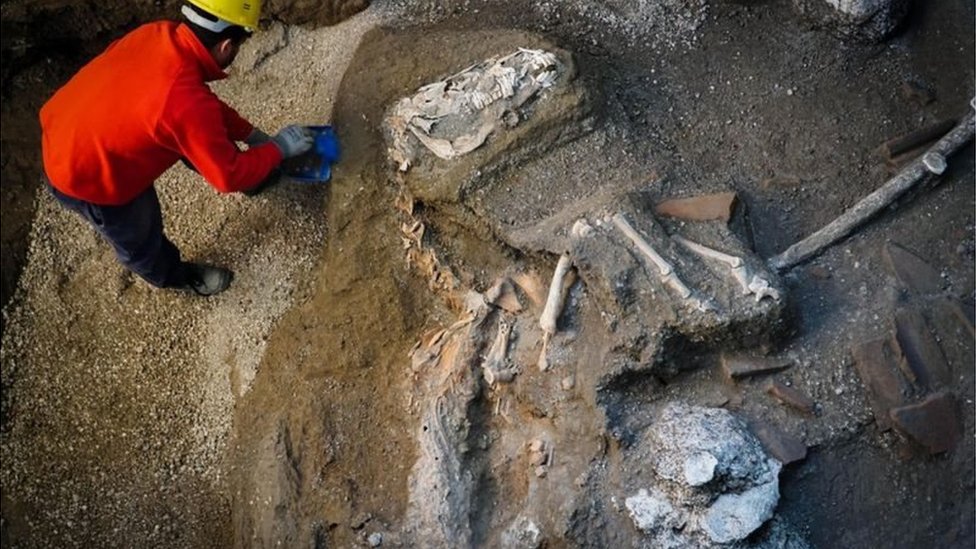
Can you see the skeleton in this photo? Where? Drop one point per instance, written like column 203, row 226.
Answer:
column 481, row 95
column 751, row 282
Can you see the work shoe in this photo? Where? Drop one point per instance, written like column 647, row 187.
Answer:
column 206, row 280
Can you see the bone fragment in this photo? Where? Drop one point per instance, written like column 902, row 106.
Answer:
column 532, row 286
column 441, row 147
column 667, row 272
column 556, row 299
column 470, row 142
column 750, row 282
column 494, row 367
column 490, row 88
column 582, row 228
column 874, row 202
column 502, row 295
column 705, row 251
column 543, row 362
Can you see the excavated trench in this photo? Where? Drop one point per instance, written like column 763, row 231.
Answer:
column 293, row 412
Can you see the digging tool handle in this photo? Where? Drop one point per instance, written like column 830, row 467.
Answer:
column 874, row 202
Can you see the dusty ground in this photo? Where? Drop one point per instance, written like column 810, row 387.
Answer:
column 278, row 410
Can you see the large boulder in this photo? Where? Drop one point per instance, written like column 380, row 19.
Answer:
column 702, row 479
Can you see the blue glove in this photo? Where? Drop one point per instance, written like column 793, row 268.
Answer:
column 257, row 137
column 293, row 140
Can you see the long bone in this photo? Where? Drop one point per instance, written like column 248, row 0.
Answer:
column 668, row 275
column 554, row 307
column 751, row 283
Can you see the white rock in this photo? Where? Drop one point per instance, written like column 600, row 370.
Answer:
column 649, row 512
column 700, row 468
column 733, row 517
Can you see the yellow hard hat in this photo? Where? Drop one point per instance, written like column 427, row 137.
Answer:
column 239, row 12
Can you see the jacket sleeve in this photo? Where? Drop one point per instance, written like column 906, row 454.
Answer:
column 197, row 125
column 238, row 128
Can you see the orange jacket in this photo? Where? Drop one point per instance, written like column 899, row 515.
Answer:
column 134, row 110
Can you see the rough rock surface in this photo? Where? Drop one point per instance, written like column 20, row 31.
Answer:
column 699, row 478
column 865, row 20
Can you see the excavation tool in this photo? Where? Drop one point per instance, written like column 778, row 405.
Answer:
column 931, row 163
column 315, row 166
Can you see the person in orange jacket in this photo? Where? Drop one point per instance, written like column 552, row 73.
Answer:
column 138, row 108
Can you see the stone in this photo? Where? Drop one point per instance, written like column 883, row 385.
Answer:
column 740, row 366
column 700, row 468
column 685, row 434
column 876, row 363
column 706, row 207
column 933, row 423
column 650, row 512
column 790, row 396
column 924, row 362
column 781, row 445
column 375, row 539
column 523, row 533
column 734, row 516
column 912, row 271
column 859, row 20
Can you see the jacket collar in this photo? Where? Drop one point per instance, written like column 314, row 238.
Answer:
column 210, row 69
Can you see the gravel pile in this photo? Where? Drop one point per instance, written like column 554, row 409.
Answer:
column 121, row 396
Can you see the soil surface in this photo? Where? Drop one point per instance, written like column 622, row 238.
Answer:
column 281, row 412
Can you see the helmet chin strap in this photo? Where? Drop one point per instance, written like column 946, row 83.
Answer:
column 195, row 18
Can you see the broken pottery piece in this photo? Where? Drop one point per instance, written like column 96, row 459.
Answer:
column 738, row 366
column 790, row 396
column 706, row 207
column 876, row 363
column 912, row 271
column 781, row 445
column 933, row 423
column 923, row 361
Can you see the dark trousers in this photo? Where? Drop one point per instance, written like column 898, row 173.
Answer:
column 135, row 230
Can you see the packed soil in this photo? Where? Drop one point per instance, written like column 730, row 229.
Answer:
column 279, row 412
